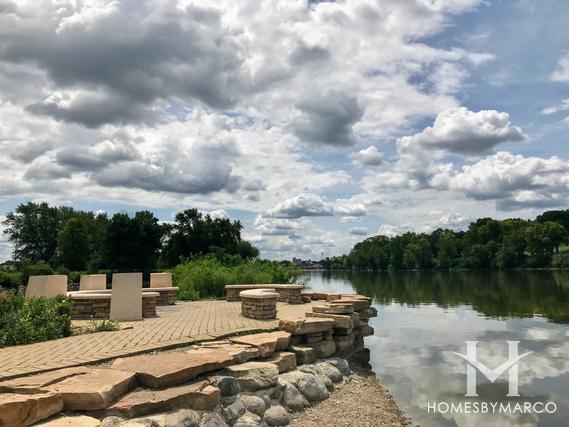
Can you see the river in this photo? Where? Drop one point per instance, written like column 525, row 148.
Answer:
column 425, row 318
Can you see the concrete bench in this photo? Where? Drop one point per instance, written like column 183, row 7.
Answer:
column 47, row 286
column 287, row 293
column 167, row 296
column 97, row 304
column 259, row 303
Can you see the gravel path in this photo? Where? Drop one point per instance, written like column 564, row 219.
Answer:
column 361, row 401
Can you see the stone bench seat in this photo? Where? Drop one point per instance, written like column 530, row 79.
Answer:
column 97, row 304
column 259, row 303
column 167, row 295
column 287, row 293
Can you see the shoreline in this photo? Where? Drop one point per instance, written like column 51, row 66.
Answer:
column 360, row 401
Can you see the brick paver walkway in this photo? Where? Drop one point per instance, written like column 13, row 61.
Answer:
column 175, row 326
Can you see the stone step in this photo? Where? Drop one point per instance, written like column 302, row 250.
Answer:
column 240, row 353
column 368, row 313
column 81, row 388
column 359, row 304
column 19, row 410
column 344, row 308
column 266, row 343
column 342, row 321
column 95, row 389
column 306, row 326
column 172, row 368
column 284, row 360
column 304, row 354
column 356, row 296
column 323, row 349
column 199, row 396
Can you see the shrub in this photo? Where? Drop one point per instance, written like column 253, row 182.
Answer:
column 10, row 279
column 25, row 321
column 561, row 260
column 207, row 277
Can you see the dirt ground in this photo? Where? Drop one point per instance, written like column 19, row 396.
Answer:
column 359, row 402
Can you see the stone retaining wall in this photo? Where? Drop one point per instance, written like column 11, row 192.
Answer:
column 97, row 307
column 167, row 297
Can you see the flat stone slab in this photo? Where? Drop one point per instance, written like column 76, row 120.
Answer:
column 38, row 383
column 267, row 343
column 240, row 353
column 199, row 396
column 304, row 354
column 25, row 409
column 253, row 376
column 334, row 309
column 265, row 293
column 359, row 304
column 306, row 326
column 95, row 389
column 71, row 421
column 172, row 368
column 284, row 360
column 368, row 313
column 342, row 321
column 323, row 349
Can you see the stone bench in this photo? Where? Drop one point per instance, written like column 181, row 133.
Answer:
column 97, row 305
column 259, row 303
column 287, row 293
column 167, row 295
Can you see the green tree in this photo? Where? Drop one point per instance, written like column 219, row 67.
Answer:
column 133, row 243
column 74, row 244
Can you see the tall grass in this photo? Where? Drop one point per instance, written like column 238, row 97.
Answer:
column 207, row 277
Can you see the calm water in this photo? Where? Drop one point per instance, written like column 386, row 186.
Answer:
column 424, row 317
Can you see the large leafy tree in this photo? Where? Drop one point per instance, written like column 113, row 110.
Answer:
column 194, row 234
column 133, row 243
column 74, row 244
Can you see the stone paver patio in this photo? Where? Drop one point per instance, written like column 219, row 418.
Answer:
column 175, row 326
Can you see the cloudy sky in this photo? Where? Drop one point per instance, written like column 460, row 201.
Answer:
column 314, row 123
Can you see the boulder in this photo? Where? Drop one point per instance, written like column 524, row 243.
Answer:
column 313, row 388
column 234, row 411
column 303, row 354
column 293, row 377
column 266, row 343
column 111, row 421
column 342, row 320
column 306, row 325
column 212, row 420
column 342, row 364
column 254, row 376
column 199, row 396
column 240, row 353
column 227, row 385
column 71, row 421
column 345, row 308
column 311, row 369
column 277, row 416
column 254, row 404
column 94, row 389
column 249, row 420
column 293, row 399
column 183, row 418
column 284, row 360
column 169, row 369
column 323, row 349
column 22, row 410
column 331, row 371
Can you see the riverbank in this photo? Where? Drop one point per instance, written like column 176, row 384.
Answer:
column 361, row 401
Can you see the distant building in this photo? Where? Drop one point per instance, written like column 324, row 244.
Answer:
column 307, row 264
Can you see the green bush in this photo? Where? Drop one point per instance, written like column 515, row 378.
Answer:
column 561, row 260
column 207, row 277
column 10, row 279
column 25, row 321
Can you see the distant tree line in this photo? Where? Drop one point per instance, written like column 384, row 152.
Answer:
column 64, row 237
column 486, row 244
